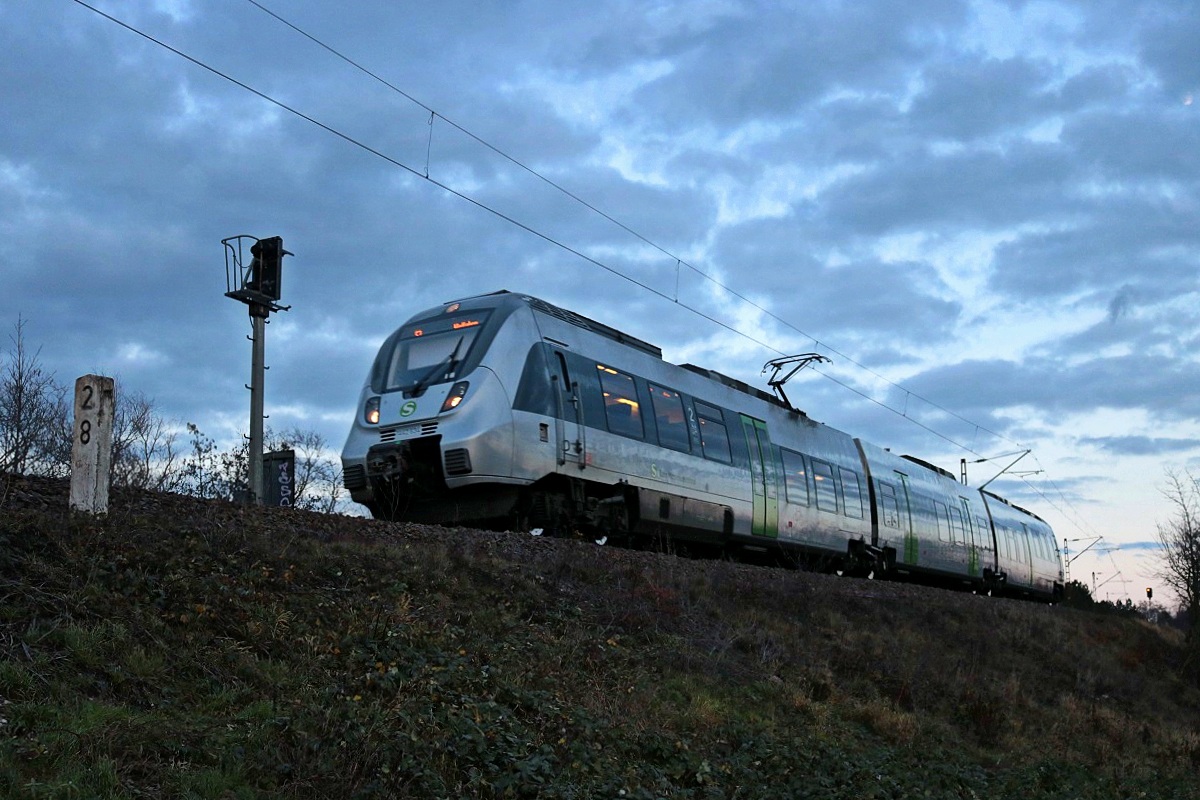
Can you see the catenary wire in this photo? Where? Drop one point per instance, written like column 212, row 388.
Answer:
column 528, row 228
column 556, row 243
column 434, row 114
column 623, row 226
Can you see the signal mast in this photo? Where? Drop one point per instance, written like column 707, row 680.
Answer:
column 258, row 284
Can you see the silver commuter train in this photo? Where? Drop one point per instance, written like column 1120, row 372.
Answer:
column 504, row 410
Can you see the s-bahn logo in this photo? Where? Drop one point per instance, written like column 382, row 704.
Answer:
column 408, row 408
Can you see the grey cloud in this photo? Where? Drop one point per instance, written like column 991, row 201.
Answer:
column 975, row 389
column 1136, row 146
column 1139, row 326
column 1120, row 304
column 1130, row 546
column 1125, row 242
column 977, row 189
column 965, row 99
column 772, row 62
column 848, row 303
column 126, row 166
column 1169, row 45
column 1140, row 445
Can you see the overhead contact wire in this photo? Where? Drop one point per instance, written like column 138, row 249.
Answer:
column 623, row 226
column 416, row 172
column 549, row 239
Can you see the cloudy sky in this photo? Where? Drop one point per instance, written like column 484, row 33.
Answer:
column 983, row 212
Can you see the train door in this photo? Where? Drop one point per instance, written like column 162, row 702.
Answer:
column 763, row 478
column 972, row 537
column 1027, row 553
column 911, row 549
column 570, row 427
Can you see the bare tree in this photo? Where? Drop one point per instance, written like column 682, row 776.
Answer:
column 210, row 473
column 143, row 446
column 36, row 436
column 1180, row 539
column 213, row 473
column 1180, row 555
column 318, row 476
column 34, row 417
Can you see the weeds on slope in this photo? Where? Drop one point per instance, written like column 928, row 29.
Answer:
column 204, row 650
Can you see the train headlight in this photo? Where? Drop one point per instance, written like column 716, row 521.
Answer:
column 371, row 411
column 457, row 392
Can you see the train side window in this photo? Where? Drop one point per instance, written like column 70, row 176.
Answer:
column 534, row 391
column 942, row 513
column 714, row 438
column 795, row 478
column 926, row 515
column 826, row 486
column 852, row 493
column 621, row 406
column 957, row 531
column 668, row 414
column 889, row 508
column 968, row 521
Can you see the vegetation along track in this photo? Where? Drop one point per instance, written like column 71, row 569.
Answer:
column 194, row 648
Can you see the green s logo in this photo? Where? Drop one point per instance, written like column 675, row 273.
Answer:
column 408, row 408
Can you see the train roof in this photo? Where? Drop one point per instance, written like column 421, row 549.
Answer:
column 734, row 383
column 927, row 465
column 1012, row 505
column 570, row 317
column 591, row 325
column 574, row 318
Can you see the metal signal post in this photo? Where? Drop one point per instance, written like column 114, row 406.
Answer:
column 256, row 283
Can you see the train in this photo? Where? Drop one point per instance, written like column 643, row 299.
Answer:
column 505, row 411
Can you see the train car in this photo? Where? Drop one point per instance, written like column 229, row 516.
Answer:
column 503, row 410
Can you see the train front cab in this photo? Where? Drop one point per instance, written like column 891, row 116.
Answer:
column 434, row 417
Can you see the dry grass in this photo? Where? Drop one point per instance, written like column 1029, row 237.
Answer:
column 200, row 649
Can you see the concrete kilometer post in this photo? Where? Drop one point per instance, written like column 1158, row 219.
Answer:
column 91, row 445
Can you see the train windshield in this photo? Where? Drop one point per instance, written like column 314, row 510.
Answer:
column 427, row 352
